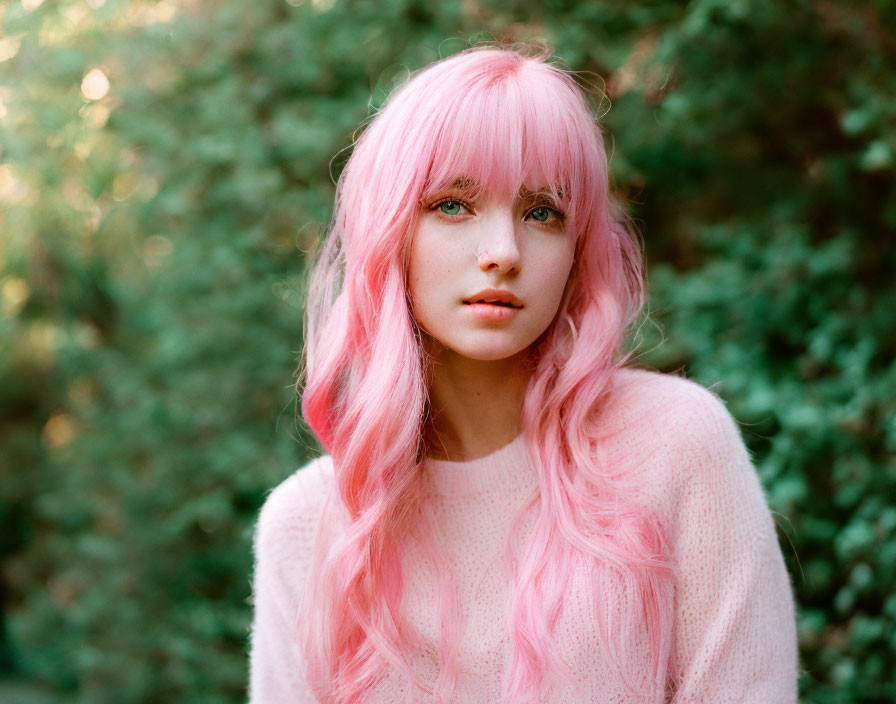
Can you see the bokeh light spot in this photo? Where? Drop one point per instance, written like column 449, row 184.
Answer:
column 9, row 47
column 59, row 430
column 95, row 84
column 12, row 188
column 15, row 294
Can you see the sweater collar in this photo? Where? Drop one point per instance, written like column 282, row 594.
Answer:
column 508, row 467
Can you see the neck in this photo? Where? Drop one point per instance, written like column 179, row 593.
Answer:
column 475, row 405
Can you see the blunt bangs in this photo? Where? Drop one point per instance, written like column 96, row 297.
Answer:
column 511, row 130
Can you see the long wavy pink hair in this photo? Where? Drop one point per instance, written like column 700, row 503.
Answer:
column 506, row 119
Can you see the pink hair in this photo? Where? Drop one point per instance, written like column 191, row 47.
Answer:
column 505, row 120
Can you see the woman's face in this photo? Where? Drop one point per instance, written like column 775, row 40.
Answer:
column 486, row 277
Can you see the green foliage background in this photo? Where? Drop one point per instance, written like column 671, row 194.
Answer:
column 151, row 265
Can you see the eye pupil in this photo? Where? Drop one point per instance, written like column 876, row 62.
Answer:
column 541, row 214
column 450, row 207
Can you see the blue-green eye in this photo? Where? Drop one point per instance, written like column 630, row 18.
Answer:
column 544, row 214
column 541, row 214
column 450, row 207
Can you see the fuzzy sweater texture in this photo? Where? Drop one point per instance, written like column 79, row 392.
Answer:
column 734, row 630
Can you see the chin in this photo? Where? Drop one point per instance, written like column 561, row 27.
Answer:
column 488, row 353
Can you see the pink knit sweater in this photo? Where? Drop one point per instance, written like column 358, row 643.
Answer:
column 734, row 638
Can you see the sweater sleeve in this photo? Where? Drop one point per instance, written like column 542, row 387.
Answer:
column 735, row 629
column 283, row 544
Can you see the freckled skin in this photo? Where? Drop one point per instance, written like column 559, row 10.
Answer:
column 491, row 244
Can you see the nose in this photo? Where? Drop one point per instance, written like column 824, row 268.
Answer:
column 498, row 249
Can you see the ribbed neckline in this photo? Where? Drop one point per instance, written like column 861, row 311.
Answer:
column 506, row 467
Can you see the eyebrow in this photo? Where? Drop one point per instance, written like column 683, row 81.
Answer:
column 470, row 187
column 464, row 184
column 526, row 193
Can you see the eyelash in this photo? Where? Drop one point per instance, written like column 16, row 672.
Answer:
column 435, row 208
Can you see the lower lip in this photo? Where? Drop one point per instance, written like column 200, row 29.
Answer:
column 492, row 313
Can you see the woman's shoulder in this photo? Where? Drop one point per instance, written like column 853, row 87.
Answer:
column 678, row 438
column 663, row 402
column 673, row 427
column 292, row 510
column 304, row 489
column 635, row 382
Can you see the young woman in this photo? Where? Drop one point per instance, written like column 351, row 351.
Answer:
column 506, row 511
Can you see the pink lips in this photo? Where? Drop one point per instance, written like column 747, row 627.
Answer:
column 495, row 295
column 494, row 305
column 492, row 313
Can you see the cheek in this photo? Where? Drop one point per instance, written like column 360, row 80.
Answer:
column 427, row 273
column 551, row 282
column 417, row 280
column 434, row 258
column 555, row 272
column 418, row 259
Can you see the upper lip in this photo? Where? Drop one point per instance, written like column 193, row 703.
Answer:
column 494, row 295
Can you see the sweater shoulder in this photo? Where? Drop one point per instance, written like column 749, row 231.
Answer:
column 291, row 512
column 663, row 389
column 665, row 403
column 675, row 429
column 679, row 440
